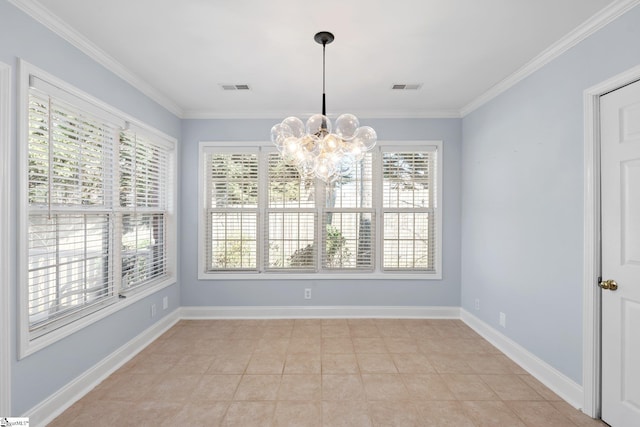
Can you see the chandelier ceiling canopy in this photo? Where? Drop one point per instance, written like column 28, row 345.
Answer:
column 316, row 148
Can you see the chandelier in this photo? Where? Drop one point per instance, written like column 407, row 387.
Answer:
column 316, row 148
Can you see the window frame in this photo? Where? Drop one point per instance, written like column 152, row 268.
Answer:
column 164, row 206
column 377, row 273
column 29, row 341
column 302, row 211
column 203, row 218
column 431, row 210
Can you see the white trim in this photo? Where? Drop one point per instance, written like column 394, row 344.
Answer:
column 560, row 384
column 591, row 258
column 41, row 14
column 340, row 275
column 317, row 312
column 22, row 131
column 44, row 412
column 28, row 347
column 591, row 365
column 5, row 227
column 279, row 115
column 587, row 28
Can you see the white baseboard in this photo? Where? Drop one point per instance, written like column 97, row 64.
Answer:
column 57, row 403
column 319, row 312
column 559, row 383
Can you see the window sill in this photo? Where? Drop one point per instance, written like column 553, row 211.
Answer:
column 368, row 276
column 32, row 345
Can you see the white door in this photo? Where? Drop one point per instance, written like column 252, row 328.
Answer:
column 620, row 171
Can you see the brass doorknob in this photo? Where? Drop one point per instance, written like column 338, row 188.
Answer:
column 609, row 284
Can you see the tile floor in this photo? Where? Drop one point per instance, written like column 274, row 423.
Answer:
column 335, row 372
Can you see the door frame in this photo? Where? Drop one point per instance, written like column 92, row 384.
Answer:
column 592, row 260
column 5, row 230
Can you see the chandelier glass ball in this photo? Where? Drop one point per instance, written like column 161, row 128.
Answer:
column 314, row 149
column 318, row 149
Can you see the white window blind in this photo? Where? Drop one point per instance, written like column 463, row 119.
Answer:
column 144, row 169
column 348, row 220
column 70, row 185
column 408, row 209
column 231, row 186
column 291, row 218
column 97, row 206
column 379, row 217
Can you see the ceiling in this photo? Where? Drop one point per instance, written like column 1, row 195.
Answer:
column 180, row 52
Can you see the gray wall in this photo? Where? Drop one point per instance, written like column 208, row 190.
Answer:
column 445, row 292
column 522, row 198
column 37, row 376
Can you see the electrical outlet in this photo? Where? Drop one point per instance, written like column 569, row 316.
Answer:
column 153, row 310
column 503, row 320
column 307, row 293
column 165, row 303
column 477, row 304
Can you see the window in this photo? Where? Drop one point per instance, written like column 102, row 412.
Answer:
column 291, row 218
column 260, row 217
column 144, row 201
column 232, row 211
column 408, row 210
column 98, row 207
column 348, row 220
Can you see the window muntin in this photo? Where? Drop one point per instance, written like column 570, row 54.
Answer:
column 286, row 188
column 143, row 249
column 291, row 240
column 306, row 226
column 233, row 180
column 348, row 240
column 69, row 266
column 407, row 245
column 233, row 240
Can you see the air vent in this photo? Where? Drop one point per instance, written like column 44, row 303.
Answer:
column 235, row 87
column 406, row 86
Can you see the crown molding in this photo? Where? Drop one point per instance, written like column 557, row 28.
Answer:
column 421, row 114
column 584, row 30
column 41, row 14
